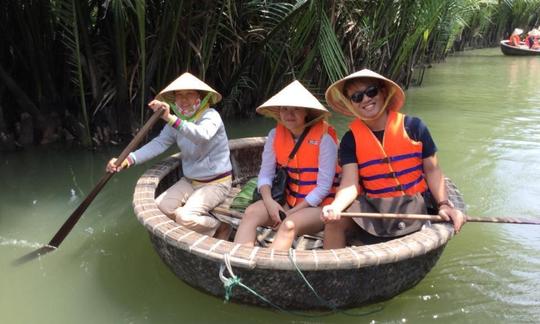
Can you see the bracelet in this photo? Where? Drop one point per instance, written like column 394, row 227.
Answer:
column 174, row 121
column 127, row 162
column 176, row 124
column 445, row 202
column 171, row 120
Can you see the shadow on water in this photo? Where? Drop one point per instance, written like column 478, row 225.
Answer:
column 33, row 255
column 135, row 279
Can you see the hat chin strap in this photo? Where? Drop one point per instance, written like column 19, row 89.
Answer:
column 380, row 113
column 196, row 111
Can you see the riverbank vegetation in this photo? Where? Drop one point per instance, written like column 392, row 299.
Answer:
column 84, row 70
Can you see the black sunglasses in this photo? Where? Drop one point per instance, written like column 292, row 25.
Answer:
column 370, row 91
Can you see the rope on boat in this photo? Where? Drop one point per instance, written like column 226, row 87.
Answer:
column 233, row 281
column 324, row 302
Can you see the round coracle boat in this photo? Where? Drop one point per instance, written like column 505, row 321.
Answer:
column 340, row 278
column 522, row 50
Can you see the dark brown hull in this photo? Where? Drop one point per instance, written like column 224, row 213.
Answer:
column 517, row 51
column 344, row 278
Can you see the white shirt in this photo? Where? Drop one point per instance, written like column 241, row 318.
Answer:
column 203, row 143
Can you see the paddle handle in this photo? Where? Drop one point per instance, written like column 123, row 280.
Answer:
column 139, row 136
column 76, row 215
column 437, row 218
column 433, row 218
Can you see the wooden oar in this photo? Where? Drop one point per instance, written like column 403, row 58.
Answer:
column 434, row 218
column 76, row 215
column 437, row 218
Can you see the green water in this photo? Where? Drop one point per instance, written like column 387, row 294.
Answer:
column 482, row 108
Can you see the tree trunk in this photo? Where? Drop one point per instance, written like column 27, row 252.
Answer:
column 24, row 102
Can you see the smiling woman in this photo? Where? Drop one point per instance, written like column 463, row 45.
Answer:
column 198, row 131
column 305, row 145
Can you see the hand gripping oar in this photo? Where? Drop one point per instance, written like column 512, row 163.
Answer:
column 76, row 215
column 437, row 218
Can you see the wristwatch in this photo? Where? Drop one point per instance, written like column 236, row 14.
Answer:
column 445, row 202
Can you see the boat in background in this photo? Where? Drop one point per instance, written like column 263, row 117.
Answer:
column 523, row 50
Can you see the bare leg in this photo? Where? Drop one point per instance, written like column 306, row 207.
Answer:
column 255, row 215
column 305, row 221
column 334, row 233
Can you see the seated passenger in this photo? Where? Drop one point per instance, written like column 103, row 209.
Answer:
column 514, row 39
column 388, row 163
column 534, row 36
column 311, row 170
column 199, row 133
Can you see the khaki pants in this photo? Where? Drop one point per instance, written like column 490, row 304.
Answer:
column 188, row 203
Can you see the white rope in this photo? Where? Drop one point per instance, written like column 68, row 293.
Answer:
column 335, row 256
column 375, row 253
column 171, row 230
column 202, row 238
column 358, row 263
column 316, row 259
column 160, row 224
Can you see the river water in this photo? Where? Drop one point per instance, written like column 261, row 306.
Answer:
column 482, row 108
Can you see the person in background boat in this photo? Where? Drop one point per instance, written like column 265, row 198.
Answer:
column 388, row 163
column 514, row 39
column 529, row 39
column 532, row 39
column 199, row 133
column 311, row 171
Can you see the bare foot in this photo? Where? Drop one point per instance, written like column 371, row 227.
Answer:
column 223, row 232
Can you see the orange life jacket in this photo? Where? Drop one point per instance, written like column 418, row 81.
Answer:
column 514, row 40
column 304, row 167
column 392, row 169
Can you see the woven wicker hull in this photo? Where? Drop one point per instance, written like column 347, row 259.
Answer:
column 285, row 288
column 344, row 278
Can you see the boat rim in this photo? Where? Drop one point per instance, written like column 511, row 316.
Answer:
column 417, row 244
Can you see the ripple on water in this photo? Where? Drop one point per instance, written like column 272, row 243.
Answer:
column 19, row 243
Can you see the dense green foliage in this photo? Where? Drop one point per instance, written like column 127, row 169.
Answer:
column 86, row 69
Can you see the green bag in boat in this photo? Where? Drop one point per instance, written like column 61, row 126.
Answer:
column 245, row 197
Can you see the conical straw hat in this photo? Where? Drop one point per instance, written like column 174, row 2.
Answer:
column 534, row 32
column 517, row 31
column 340, row 103
column 293, row 95
column 187, row 81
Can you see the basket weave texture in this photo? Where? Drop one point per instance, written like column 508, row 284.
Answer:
column 344, row 277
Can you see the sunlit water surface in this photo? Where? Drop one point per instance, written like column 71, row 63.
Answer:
column 482, row 108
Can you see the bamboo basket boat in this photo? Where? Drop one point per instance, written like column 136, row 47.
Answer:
column 343, row 278
column 517, row 51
